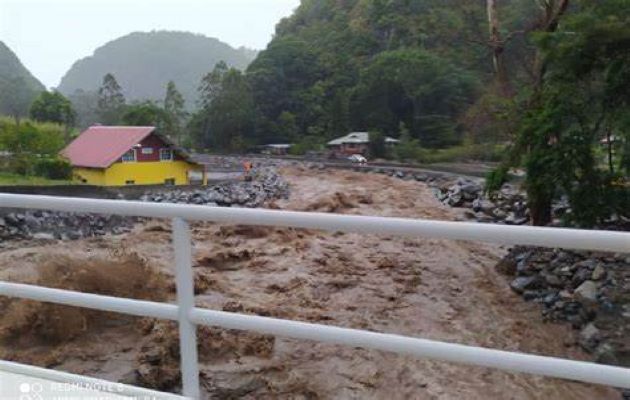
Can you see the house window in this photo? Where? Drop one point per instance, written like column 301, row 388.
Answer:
column 130, row 182
column 169, row 182
column 129, row 156
column 147, row 150
column 166, row 155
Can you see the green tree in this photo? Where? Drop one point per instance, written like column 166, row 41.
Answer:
column 284, row 78
column 16, row 97
column 86, row 106
column 287, row 127
column 111, row 101
column 211, row 84
column 377, row 145
column 226, row 121
column 146, row 113
column 409, row 148
column 54, row 107
column 29, row 143
column 175, row 113
column 583, row 95
column 422, row 90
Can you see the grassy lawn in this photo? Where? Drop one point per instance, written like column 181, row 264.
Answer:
column 8, row 179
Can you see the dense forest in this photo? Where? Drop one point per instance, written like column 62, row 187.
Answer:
column 418, row 68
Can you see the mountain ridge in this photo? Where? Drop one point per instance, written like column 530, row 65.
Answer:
column 144, row 62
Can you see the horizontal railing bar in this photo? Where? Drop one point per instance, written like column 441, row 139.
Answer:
column 102, row 385
column 140, row 308
column 517, row 362
column 505, row 234
column 422, row 348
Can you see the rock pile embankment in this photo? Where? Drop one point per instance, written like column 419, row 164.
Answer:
column 265, row 185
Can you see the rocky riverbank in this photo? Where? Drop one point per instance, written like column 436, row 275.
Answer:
column 266, row 185
column 507, row 206
column 590, row 291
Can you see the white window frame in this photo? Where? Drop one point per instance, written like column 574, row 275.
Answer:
column 135, row 156
column 172, row 155
column 147, row 150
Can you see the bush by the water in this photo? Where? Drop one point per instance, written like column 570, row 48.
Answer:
column 32, row 148
column 53, row 168
column 413, row 152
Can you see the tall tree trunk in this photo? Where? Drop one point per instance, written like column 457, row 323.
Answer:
column 498, row 47
column 540, row 210
column 540, row 199
column 611, row 166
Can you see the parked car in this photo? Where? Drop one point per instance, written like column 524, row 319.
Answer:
column 357, row 159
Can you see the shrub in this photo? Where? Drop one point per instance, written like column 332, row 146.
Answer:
column 53, row 168
column 412, row 151
column 21, row 164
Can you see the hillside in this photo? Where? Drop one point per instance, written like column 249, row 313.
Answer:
column 18, row 87
column 144, row 62
column 336, row 66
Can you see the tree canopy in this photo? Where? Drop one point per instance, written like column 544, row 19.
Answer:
column 52, row 107
column 111, row 101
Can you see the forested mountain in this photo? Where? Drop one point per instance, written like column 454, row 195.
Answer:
column 384, row 65
column 144, row 62
column 18, row 87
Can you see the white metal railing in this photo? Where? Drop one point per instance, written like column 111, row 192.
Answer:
column 188, row 316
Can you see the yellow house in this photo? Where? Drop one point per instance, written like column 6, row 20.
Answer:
column 130, row 155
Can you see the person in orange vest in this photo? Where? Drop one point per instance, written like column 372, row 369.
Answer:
column 247, row 166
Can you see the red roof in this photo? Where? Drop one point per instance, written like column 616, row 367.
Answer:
column 101, row 146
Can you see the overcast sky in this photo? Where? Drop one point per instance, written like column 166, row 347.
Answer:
column 50, row 35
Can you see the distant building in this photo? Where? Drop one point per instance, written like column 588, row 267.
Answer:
column 352, row 143
column 130, row 155
column 391, row 142
column 276, row 149
column 355, row 143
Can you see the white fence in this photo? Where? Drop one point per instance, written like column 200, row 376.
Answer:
column 188, row 316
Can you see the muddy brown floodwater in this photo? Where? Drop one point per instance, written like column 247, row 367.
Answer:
column 435, row 289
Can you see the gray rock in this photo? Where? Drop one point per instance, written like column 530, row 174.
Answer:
column 43, row 236
column 580, row 276
column 586, row 292
column 550, row 299
column 454, row 199
column 471, row 188
column 605, row 354
column 499, row 214
column 522, row 283
column 598, row 273
column 510, row 219
column 553, row 280
column 73, row 235
column 12, row 219
column 421, row 177
column 589, row 337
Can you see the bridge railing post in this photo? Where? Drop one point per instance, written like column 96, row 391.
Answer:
column 184, row 280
